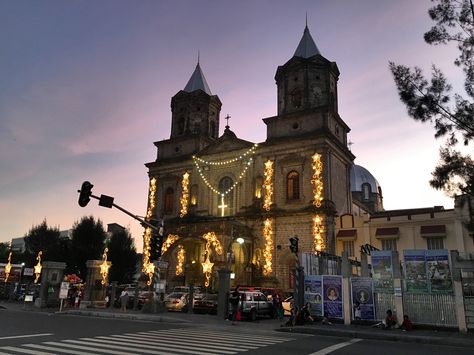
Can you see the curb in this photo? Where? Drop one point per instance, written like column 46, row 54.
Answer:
column 142, row 317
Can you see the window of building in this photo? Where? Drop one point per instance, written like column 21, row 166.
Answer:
column 434, row 243
column 194, row 195
column 226, row 198
column 348, row 246
column 366, row 190
column 389, row 244
column 293, row 185
column 258, row 187
column 168, row 201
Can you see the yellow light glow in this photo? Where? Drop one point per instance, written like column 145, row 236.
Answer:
column 104, row 267
column 184, row 195
column 181, row 257
column 38, row 267
column 317, row 180
column 222, row 206
column 268, row 185
column 8, row 267
column 318, row 233
column 268, row 252
column 170, row 239
column 148, row 268
column 211, row 238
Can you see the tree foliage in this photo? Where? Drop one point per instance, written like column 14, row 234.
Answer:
column 4, row 251
column 123, row 255
column 431, row 100
column 45, row 239
column 88, row 237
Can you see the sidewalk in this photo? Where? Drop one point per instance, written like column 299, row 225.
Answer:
column 435, row 337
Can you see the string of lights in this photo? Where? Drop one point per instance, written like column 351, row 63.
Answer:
column 38, row 267
column 317, row 180
column 104, row 267
column 250, row 151
column 268, row 252
column 184, row 195
column 181, row 257
column 170, row 239
column 148, row 268
column 268, row 185
column 318, row 233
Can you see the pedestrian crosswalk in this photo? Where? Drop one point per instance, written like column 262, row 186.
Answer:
column 161, row 342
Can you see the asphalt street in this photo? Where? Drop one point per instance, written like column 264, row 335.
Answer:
column 23, row 332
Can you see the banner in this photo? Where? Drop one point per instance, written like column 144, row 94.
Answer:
column 313, row 294
column 15, row 273
column 437, row 268
column 332, row 296
column 382, row 271
column 362, row 293
column 415, row 271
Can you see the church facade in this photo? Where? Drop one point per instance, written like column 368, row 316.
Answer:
column 230, row 203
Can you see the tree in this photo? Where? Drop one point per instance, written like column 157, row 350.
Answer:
column 4, row 251
column 45, row 239
column 88, row 237
column 431, row 100
column 123, row 255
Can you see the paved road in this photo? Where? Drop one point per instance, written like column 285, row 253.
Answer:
column 40, row 333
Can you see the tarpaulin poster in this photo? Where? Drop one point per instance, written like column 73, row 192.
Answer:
column 437, row 267
column 382, row 271
column 313, row 294
column 415, row 271
column 332, row 296
column 362, row 293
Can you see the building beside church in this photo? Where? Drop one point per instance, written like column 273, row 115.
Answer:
column 228, row 203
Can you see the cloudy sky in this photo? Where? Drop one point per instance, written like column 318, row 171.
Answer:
column 85, row 90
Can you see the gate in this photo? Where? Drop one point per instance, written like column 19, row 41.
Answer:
column 430, row 309
column 383, row 302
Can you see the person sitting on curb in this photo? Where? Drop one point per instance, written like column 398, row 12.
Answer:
column 390, row 320
column 407, row 325
column 325, row 319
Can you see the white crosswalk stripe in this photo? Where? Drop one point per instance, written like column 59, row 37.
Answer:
column 158, row 342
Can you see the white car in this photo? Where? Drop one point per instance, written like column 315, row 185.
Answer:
column 176, row 301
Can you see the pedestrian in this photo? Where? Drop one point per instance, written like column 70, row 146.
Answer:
column 279, row 308
column 234, row 303
column 407, row 325
column 77, row 298
column 124, row 300
column 357, row 311
column 390, row 320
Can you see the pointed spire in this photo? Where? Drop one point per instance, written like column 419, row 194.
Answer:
column 306, row 48
column 197, row 81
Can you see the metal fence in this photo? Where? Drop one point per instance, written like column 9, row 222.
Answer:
column 430, row 309
column 383, row 302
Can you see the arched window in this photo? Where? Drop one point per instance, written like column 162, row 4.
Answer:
column 293, row 185
column 258, row 187
column 366, row 190
column 168, row 201
column 212, row 129
column 194, row 195
column 226, row 198
column 181, row 123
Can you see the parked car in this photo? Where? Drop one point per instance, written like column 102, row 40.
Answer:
column 177, row 301
column 206, row 304
column 253, row 304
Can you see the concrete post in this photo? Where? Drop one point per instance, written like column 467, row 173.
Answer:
column 364, row 265
column 223, row 298
column 51, row 276
column 113, row 294
column 346, row 287
column 191, row 298
column 397, row 287
column 458, row 293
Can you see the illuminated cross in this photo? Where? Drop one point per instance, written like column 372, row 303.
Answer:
column 222, row 206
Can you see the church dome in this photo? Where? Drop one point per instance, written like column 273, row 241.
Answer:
column 361, row 176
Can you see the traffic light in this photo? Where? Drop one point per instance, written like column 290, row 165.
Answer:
column 156, row 242
column 85, row 193
column 294, row 244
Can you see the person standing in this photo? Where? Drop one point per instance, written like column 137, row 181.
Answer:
column 124, row 300
column 234, row 303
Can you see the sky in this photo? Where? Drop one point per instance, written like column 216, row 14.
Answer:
column 86, row 87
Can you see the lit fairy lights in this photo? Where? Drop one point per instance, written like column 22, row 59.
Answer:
column 8, row 267
column 268, row 252
column 38, row 267
column 251, row 151
column 318, row 233
column 148, row 268
column 184, row 195
column 104, row 267
column 181, row 257
column 211, row 239
column 268, row 185
column 317, row 180
column 170, row 239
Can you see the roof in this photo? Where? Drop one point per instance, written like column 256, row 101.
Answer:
column 360, row 176
column 306, row 48
column 197, row 82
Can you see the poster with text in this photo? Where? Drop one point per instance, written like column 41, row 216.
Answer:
column 313, row 294
column 382, row 271
column 362, row 293
column 332, row 296
column 437, row 269
column 415, row 271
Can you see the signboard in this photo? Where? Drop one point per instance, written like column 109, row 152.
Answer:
column 415, row 271
column 332, row 296
column 28, row 271
column 437, row 268
column 382, row 271
column 63, row 290
column 28, row 298
column 313, row 292
column 362, row 293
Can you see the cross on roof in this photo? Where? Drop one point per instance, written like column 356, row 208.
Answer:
column 227, row 118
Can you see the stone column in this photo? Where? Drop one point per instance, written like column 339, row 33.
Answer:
column 397, row 286
column 224, row 286
column 51, row 278
column 364, row 265
column 94, row 291
column 458, row 293
column 346, row 271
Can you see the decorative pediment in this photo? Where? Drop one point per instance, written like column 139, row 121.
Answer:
column 226, row 143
